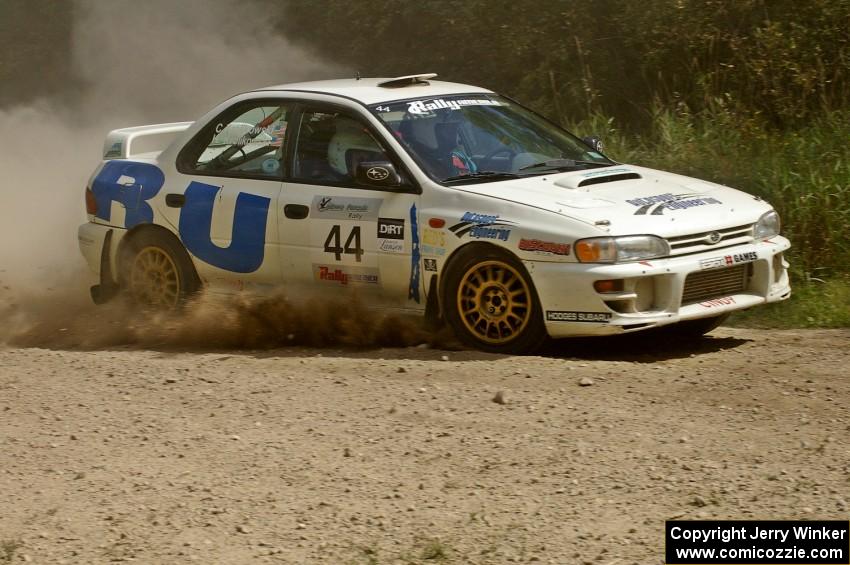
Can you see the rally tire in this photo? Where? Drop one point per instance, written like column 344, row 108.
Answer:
column 490, row 302
column 156, row 271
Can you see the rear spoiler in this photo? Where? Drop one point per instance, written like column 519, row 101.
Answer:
column 119, row 142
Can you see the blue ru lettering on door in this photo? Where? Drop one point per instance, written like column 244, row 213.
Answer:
column 131, row 185
column 247, row 245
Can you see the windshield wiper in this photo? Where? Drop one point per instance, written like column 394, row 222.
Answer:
column 557, row 164
column 483, row 175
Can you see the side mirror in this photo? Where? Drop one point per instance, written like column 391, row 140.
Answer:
column 594, row 143
column 377, row 173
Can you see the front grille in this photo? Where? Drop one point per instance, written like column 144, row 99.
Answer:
column 696, row 242
column 714, row 283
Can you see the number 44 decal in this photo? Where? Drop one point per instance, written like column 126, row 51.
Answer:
column 351, row 247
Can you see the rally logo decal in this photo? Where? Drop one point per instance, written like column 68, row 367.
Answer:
column 483, row 226
column 345, row 275
column 655, row 205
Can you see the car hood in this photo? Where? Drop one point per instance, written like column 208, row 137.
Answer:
column 626, row 199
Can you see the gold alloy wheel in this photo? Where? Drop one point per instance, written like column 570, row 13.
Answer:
column 494, row 302
column 154, row 278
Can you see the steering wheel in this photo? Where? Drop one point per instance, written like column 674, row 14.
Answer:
column 498, row 151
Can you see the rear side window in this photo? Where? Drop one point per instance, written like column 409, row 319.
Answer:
column 247, row 140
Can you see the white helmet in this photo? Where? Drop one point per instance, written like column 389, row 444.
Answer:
column 349, row 135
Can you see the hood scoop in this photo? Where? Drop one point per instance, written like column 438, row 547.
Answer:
column 597, row 177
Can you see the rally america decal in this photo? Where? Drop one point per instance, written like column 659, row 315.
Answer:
column 483, row 226
column 559, row 316
column 655, row 205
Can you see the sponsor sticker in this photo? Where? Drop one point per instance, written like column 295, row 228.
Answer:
column 390, row 245
column 656, row 204
column 338, row 208
column 431, row 250
column 712, row 263
column 427, row 106
column 716, row 302
column 747, row 257
column 560, row 316
column 430, row 265
column 544, row 246
column 345, row 275
column 482, row 226
column 434, row 237
column 390, row 228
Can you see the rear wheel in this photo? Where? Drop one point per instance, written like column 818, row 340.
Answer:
column 490, row 302
column 157, row 271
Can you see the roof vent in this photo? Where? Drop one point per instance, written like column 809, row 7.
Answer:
column 409, row 80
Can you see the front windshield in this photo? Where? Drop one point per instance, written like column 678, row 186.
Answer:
column 480, row 138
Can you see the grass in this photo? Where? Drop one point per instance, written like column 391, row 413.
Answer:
column 813, row 304
column 434, row 550
column 804, row 174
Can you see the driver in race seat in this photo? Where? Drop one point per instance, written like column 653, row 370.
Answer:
column 350, row 146
column 451, row 151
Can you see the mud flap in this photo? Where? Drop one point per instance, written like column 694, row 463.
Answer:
column 108, row 288
column 433, row 319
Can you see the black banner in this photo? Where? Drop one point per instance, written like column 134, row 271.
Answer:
column 757, row 542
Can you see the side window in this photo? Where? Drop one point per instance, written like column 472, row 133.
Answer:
column 330, row 146
column 244, row 141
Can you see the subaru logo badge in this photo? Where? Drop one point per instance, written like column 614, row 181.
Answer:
column 712, row 238
column 377, row 173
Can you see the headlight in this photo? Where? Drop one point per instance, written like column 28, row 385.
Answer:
column 620, row 249
column 767, row 226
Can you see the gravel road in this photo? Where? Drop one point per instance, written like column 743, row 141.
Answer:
column 414, row 455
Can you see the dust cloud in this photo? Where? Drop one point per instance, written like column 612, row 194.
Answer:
column 141, row 63
column 211, row 322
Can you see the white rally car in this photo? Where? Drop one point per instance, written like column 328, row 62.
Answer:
column 434, row 197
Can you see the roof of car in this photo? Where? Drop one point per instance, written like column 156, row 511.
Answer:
column 369, row 90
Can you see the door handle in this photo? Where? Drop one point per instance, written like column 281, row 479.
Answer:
column 296, row 211
column 175, row 200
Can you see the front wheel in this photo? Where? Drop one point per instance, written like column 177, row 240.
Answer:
column 490, row 302
column 157, row 271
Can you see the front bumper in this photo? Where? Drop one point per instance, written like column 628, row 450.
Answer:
column 653, row 290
